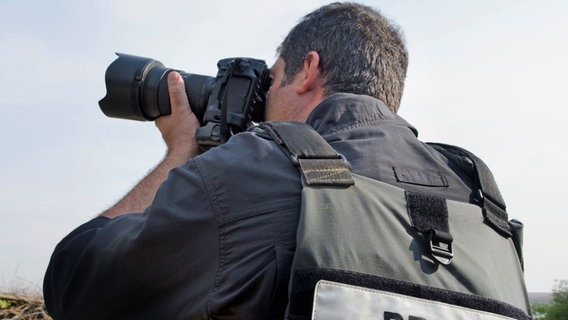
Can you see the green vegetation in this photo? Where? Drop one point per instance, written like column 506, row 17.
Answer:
column 558, row 310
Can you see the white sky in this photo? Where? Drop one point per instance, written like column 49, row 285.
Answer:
column 487, row 75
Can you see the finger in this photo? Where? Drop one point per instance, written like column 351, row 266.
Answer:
column 176, row 89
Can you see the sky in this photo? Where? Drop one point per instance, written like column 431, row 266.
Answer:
column 486, row 75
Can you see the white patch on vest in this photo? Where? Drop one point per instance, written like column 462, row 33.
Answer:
column 337, row 301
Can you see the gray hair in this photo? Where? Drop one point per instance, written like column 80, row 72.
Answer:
column 360, row 51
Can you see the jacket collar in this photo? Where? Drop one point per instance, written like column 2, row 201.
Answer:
column 342, row 111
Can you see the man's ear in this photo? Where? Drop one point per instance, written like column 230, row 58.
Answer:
column 311, row 75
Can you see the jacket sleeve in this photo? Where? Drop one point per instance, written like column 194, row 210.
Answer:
column 64, row 261
column 151, row 262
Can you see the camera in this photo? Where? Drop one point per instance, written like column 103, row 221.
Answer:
column 226, row 104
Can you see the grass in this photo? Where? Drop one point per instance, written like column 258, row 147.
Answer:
column 22, row 307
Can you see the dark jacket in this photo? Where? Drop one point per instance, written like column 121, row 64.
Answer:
column 218, row 240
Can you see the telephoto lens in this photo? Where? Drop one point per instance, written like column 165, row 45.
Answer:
column 137, row 89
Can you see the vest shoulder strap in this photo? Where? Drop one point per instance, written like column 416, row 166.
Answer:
column 487, row 194
column 318, row 162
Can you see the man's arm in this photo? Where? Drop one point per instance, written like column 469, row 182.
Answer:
column 178, row 131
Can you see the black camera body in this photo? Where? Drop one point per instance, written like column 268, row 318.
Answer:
column 225, row 105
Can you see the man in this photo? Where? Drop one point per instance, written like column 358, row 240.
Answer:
column 217, row 233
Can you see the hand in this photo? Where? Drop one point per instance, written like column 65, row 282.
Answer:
column 178, row 129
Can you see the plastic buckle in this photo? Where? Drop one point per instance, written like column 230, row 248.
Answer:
column 441, row 246
column 296, row 160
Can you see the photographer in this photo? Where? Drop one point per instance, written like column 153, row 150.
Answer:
column 212, row 235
